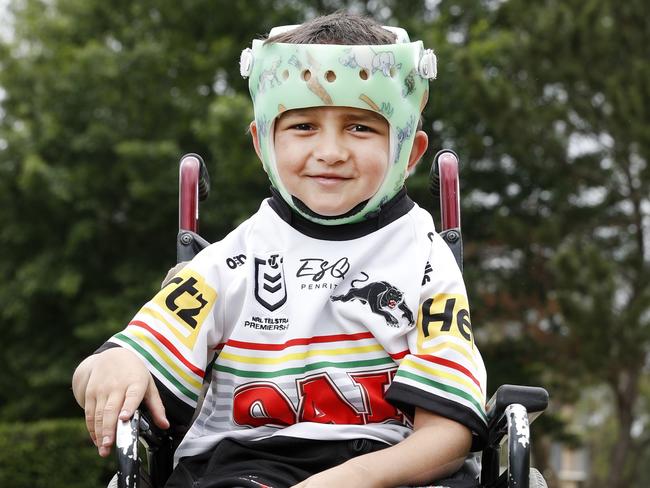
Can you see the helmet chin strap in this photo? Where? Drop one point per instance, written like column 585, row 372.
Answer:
column 308, row 211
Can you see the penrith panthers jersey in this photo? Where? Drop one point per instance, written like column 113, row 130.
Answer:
column 316, row 332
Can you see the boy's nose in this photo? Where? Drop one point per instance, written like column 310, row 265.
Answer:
column 329, row 149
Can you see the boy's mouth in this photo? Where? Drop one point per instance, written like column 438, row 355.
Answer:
column 328, row 179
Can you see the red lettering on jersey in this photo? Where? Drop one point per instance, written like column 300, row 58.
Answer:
column 258, row 404
column 322, row 402
column 373, row 387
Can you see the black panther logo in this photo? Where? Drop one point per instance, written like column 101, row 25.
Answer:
column 382, row 297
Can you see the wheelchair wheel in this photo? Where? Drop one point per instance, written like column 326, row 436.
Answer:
column 536, row 480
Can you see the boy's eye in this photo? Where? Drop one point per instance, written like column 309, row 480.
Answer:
column 360, row 128
column 301, row 126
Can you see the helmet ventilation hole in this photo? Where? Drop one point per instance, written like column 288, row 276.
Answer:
column 363, row 74
column 330, row 76
column 285, row 74
column 393, row 72
column 306, row 75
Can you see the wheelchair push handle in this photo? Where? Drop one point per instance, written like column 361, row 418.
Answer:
column 444, row 184
column 447, row 162
column 193, row 187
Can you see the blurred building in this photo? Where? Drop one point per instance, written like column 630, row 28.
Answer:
column 571, row 465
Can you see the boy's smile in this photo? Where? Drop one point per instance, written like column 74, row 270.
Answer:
column 331, row 158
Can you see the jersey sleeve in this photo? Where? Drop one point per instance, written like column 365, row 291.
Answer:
column 443, row 371
column 175, row 333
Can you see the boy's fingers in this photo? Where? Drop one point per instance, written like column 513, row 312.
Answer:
column 132, row 399
column 156, row 407
column 99, row 421
column 104, row 451
column 89, row 415
column 107, row 434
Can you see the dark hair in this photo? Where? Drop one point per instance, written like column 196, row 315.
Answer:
column 340, row 27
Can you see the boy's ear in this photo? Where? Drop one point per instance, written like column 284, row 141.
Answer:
column 420, row 144
column 256, row 142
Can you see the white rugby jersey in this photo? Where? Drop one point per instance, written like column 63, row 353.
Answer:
column 319, row 332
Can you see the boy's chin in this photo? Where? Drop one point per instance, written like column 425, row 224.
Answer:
column 329, row 210
column 325, row 208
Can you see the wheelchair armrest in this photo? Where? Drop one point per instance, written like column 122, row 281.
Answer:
column 126, row 447
column 159, row 446
column 510, row 411
column 533, row 398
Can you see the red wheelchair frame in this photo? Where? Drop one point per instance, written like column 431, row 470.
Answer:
column 509, row 411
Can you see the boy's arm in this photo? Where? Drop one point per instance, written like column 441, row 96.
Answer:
column 163, row 350
column 436, row 449
column 111, row 385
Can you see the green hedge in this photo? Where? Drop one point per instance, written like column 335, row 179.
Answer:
column 51, row 454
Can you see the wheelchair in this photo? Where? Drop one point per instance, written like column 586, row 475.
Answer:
column 140, row 444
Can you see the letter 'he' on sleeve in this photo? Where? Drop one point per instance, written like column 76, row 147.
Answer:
column 443, row 372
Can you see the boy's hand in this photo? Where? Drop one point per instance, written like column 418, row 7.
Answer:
column 346, row 474
column 111, row 385
column 436, row 449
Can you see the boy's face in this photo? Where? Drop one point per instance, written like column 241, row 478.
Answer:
column 331, row 158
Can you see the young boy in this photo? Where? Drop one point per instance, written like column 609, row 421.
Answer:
column 338, row 317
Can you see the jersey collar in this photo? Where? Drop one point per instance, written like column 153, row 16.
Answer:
column 392, row 210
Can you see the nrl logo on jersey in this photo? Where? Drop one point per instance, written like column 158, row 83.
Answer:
column 270, row 288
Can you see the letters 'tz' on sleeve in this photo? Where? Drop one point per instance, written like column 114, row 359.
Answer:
column 444, row 372
column 172, row 333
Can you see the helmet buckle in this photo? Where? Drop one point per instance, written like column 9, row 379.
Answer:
column 428, row 67
column 246, row 62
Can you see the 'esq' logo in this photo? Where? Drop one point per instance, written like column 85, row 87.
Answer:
column 317, row 268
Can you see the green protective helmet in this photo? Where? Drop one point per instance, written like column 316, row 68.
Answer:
column 390, row 79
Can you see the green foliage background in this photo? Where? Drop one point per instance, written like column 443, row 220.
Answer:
column 50, row 453
column 546, row 102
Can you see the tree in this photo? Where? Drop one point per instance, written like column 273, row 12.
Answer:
column 100, row 100
column 603, row 268
column 547, row 106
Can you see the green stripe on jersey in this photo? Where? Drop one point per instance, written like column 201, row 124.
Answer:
column 159, row 367
column 302, row 369
column 441, row 386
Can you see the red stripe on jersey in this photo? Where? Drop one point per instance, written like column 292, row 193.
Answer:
column 299, row 342
column 399, row 355
column 196, row 370
column 450, row 364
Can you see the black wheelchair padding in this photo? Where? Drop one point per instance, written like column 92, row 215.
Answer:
column 510, row 411
column 533, row 398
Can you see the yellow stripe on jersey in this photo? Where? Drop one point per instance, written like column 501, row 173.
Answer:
column 436, row 373
column 449, row 345
column 152, row 346
column 301, row 355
